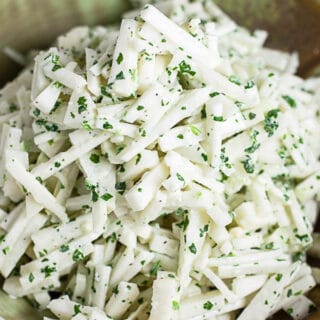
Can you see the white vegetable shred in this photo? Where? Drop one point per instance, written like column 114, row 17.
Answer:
column 165, row 170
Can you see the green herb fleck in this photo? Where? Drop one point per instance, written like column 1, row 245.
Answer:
column 115, row 290
column 120, row 76
column 208, row 305
column 269, row 246
column 204, row 230
column 154, row 269
column 77, row 255
column 185, row 68
column 76, row 309
column 64, row 248
column 218, row 118
column 57, row 164
column 121, row 187
column 175, row 305
column 106, row 196
column 95, row 158
column 86, row 125
column 31, row 277
column 234, row 79
column 47, row 270
column 252, row 115
column 193, row 248
column 107, row 126
column 120, row 58
column 36, row 112
column 204, row 157
column 290, row 101
column 138, row 158
column 112, row 238
column 255, row 145
column 82, row 103
column 196, row 131
column 290, row 310
column 248, row 165
column 5, row 250
column 180, row 177
column 270, row 123
column 250, row 84
column 184, row 223
column 203, row 113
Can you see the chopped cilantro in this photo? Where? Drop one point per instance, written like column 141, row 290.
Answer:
column 175, row 305
column 250, row 84
column 248, row 165
column 36, row 112
column 180, row 177
column 255, row 145
column 218, row 118
column 204, row 230
column 290, row 310
column 204, row 157
column 304, row 237
column 31, row 277
column 120, row 58
column 82, row 103
column 184, row 223
column 119, row 148
column 77, row 255
column 64, row 248
column 138, row 158
column 290, row 101
column 121, row 187
column 107, row 126
column 203, row 113
column 94, row 196
column 120, row 76
column 57, row 164
column 196, row 131
column 5, row 250
column 208, row 305
column 213, row 94
column 270, row 123
column 47, row 270
column 234, row 79
column 76, row 309
column 86, row 125
column 106, row 196
column 95, row 158
column 154, row 269
column 269, row 246
column 185, row 68
column 193, row 248
column 252, row 115
column 112, row 238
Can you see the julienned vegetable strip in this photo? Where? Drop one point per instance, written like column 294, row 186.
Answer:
column 166, row 169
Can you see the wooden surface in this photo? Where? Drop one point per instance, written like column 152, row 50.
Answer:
column 293, row 25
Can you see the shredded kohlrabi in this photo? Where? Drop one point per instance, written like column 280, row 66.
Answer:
column 166, row 170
